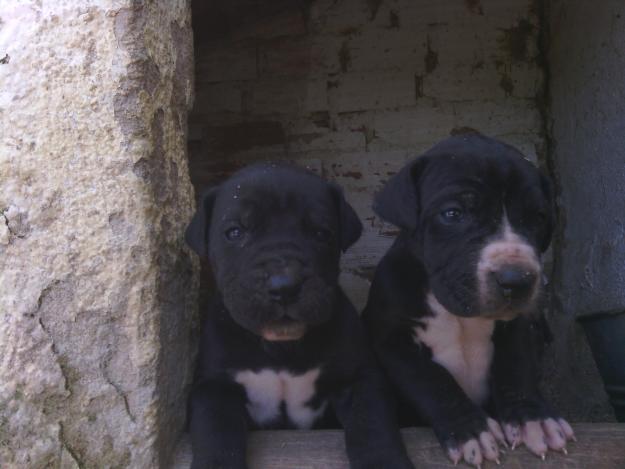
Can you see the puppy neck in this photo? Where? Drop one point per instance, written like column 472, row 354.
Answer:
column 463, row 346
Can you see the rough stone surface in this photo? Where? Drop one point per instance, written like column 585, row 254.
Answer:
column 97, row 291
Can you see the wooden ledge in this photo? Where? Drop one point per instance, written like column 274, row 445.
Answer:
column 598, row 446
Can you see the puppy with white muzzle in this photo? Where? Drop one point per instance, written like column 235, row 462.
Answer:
column 282, row 346
column 453, row 308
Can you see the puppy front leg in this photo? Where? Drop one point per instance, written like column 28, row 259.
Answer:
column 372, row 435
column 461, row 426
column 218, row 426
column 526, row 418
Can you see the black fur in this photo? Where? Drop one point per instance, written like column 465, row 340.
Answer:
column 288, row 225
column 478, row 178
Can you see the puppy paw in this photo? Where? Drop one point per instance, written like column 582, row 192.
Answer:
column 540, row 435
column 474, row 443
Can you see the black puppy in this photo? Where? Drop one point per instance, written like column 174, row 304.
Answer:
column 282, row 346
column 453, row 305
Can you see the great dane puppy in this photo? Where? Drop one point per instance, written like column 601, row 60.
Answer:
column 282, row 346
column 453, row 308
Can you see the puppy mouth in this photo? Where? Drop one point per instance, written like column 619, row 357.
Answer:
column 283, row 329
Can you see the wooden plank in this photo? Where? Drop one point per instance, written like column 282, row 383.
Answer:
column 599, row 446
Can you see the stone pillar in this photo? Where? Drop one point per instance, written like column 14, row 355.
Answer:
column 97, row 291
column 587, row 94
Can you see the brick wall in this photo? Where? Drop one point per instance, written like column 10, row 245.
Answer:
column 353, row 88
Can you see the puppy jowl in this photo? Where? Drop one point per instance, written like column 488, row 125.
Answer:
column 282, row 346
column 454, row 305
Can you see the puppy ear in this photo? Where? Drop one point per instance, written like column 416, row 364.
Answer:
column 196, row 234
column 398, row 201
column 547, row 188
column 350, row 226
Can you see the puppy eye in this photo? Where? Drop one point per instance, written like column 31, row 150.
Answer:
column 452, row 214
column 234, row 233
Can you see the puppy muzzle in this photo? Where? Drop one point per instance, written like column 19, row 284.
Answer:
column 508, row 273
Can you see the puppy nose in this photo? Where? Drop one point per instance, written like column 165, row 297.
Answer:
column 284, row 288
column 514, row 282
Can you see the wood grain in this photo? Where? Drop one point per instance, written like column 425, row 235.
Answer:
column 599, row 446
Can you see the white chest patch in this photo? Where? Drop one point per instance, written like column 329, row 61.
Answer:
column 462, row 345
column 268, row 389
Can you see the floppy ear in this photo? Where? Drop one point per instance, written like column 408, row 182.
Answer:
column 196, row 234
column 398, row 201
column 350, row 227
column 550, row 222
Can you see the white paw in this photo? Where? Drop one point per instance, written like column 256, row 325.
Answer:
column 539, row 436
column 483, row 448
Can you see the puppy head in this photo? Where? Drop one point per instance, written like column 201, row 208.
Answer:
column 478, row 215
column 273, row 235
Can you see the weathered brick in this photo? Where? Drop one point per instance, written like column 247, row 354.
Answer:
column 331, row 140
column 272, row 19
column 339, row 17
column 296, row 57
column 412, row 127
column 374, row 90
column 385, row 49
column 226, row 61
column 245, row 135
column 288, row 97
column 218, row 97
column 500, row 117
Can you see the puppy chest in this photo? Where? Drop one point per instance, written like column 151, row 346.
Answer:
column 271, row 393
column 463, row 346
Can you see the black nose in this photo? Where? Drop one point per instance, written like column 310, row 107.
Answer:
column 284, row 288
column 514, row 282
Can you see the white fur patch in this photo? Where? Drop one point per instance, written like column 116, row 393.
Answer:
column 268, row 389
column 462, row 345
